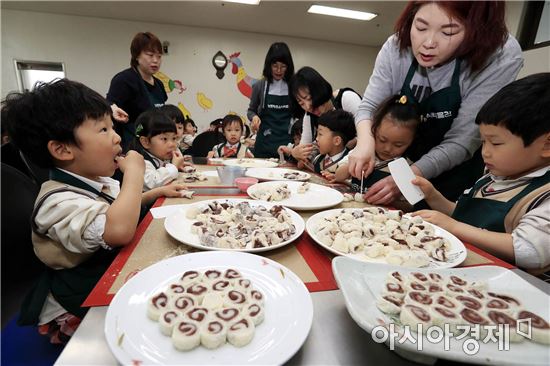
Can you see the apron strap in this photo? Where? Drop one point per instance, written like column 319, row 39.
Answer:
column 63, row 177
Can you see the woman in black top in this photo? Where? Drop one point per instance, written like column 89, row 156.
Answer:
column 135, row 90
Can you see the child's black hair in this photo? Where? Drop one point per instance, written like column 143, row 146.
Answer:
column 230, row 119
column 278, row 52
column 296, row 129
column 151, row 123
column 51, row 111
column 340, row 122
column 191, row 122
column 522, row 107
column 173, row 112
column 400, row 109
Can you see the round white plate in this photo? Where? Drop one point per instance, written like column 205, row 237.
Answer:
column 457, row 253
column 275, row 174
column 178, row 225
column 133, row 337
column 316, row 198
column 251, row 163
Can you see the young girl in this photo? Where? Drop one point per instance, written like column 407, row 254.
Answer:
column 296, row 135
column 188, row 134
column 232, row 126
column 157, row 141
column 394, row 128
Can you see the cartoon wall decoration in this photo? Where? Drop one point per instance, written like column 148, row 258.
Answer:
column 169, row 84
column 244, row 81
column 219, row 61
column 204, row 102
column 184, row 110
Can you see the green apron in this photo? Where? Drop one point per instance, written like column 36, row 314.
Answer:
column 274, row 128
column 438, row 111
column 490, row 214
column 70, row 286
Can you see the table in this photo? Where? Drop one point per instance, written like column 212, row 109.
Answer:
column 334, row 337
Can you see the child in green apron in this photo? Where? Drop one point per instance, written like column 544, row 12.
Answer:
column 393, row 127
column 233, row 128
column 336, row 129
column 79, row 218
column 507, row 211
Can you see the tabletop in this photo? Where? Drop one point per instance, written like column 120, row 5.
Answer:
column 334, row 337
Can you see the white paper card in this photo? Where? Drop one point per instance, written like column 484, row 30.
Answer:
column 403, row 175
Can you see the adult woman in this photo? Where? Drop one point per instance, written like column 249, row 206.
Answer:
column 449, row 57
column 135, row 90
column 269, row 110
column 314, row 96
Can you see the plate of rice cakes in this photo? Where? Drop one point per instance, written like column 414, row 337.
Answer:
column 209, row 308
column 375, row 234
column 481, row 315
column 235, row 225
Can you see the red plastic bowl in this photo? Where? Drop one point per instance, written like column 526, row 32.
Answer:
column 244, row 182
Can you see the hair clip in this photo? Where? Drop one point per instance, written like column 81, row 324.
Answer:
column 402, row 100
column 139, row 129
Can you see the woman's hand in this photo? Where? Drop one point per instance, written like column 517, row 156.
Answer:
column 437, row 218
column 302, row 151
column 255, row 123
column 118, row 114
column 361, row 159
column 382, row 192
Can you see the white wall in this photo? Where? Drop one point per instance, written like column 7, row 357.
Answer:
column 95, row 49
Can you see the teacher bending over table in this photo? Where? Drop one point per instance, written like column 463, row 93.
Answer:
column 135, row 90
column 450, row 58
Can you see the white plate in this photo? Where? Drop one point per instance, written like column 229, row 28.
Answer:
column 316, row 198
column 457, row 254
column 361, row 283
column 251, row 163
column 132, row 336
column 275, row 174
column 178, row 226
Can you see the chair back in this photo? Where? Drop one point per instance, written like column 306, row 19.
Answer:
column 204, row 142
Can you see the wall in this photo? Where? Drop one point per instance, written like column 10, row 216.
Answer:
column 95, row 49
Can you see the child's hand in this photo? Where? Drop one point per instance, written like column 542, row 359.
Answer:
column 328, row 176
column 426, row 186
column 172, row 190
column 302, row 151
column 300, row 165
column 437, row 218
column 178, row 160
column 284, row 149
column 132, row 161
column 210, row 154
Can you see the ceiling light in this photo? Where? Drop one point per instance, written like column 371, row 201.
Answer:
column 247, row 2
column 338, row 12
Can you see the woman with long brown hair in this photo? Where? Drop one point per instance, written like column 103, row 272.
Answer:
column 449, row 57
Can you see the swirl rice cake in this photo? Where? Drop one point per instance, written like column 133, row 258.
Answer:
column 379, row 233
column 240, row 226
column 433, row 299
column 214, row 307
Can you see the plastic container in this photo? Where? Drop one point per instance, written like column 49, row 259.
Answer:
column 228, row 174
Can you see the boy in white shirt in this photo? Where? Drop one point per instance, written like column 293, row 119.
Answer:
column 80, row 214
column 507, row 211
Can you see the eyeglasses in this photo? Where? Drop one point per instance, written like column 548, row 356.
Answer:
column 279, row 66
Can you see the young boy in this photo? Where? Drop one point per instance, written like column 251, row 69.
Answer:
column 80, row 214
column 335, row 129
column 507, row 212
column 232, row 126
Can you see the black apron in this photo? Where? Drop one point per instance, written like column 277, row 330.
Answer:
column 319, row 159
column 438, row 111
column 274, row 128
column 379, row 172
column 70, row 286
column 487, row 213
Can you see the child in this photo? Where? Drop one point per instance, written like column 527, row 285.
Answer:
column 296, row 135
column 189, row 131
column 176, row 115
column 156, row 140
column 336, row 128
column 507, row 212
column 232, row 126
column 393, row 127
column 80, row 214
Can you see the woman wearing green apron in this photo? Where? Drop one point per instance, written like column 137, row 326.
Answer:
column 269, row 110
column 135, row 90
column 449, row 57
